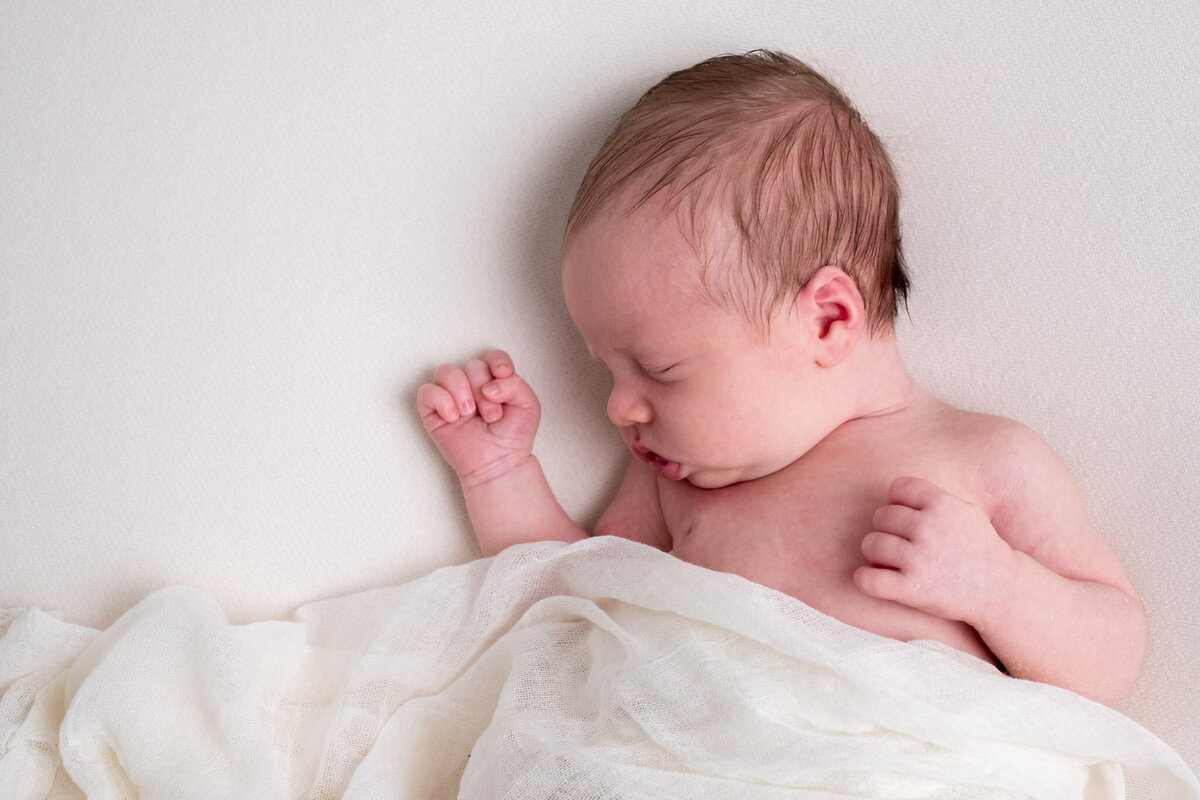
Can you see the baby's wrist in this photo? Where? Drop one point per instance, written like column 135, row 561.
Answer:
column 1002, row 590
column 494, row 471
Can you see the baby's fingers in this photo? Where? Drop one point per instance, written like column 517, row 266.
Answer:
column 479, row 374
column 434, row 403
column 456, row 383
column 886, row 550
column 913, row 492
column 510, row 390
column 499, row 363
column 880, row 582
column 897, row 519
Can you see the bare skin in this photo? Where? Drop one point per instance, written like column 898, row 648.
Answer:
column 800, row 529
column 802, row 456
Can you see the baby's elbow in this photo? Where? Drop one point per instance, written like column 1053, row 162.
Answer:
column 1114, row 689
column 1123, row 664
column 1138, row 637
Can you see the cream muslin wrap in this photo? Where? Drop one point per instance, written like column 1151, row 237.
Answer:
column 603, row 669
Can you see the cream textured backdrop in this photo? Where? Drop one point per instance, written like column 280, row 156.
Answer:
column 235, row 237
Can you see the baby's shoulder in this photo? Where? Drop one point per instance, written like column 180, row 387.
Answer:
column 993, row 440
column 1012, row 466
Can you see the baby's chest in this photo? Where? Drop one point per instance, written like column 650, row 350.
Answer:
column 801, row 534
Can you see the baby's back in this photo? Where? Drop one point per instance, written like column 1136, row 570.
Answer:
column 800, row 530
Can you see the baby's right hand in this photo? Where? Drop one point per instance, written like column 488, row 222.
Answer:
column 482, row 417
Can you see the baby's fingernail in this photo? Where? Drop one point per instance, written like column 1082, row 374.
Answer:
column 491, row 414
column 491, row 389
column 467, row 407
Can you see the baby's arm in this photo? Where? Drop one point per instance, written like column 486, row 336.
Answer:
column 1030, row 574
column 483, row 418
column 635, row 513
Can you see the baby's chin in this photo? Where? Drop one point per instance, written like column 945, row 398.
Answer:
column 720, row 477
column 716, row 478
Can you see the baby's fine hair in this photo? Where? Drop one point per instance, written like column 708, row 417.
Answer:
column 764, row 146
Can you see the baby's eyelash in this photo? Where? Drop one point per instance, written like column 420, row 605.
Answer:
column 654, row 369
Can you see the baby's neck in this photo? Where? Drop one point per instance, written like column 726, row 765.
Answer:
column 878, row 380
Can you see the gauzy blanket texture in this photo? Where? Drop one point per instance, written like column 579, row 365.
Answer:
column 603, row 669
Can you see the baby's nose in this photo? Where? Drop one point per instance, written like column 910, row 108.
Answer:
column 628, row 408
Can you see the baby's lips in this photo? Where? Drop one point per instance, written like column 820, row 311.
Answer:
column 641, row 452
column 672, row 470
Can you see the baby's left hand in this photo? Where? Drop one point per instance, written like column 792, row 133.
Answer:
column 935, row 552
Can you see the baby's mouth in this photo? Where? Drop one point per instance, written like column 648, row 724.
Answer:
column 671, row 470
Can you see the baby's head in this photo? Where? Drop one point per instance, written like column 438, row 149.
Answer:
column 730, row 244
column 771, row 174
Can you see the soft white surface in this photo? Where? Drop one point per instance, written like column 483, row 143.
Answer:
column 605, row 668
column 235, row 237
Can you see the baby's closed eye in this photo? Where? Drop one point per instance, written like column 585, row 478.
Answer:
column 658, row 369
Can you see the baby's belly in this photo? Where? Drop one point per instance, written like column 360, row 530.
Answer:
column 824, row 581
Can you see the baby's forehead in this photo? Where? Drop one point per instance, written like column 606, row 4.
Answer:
column 704, row 218
column 651, row 248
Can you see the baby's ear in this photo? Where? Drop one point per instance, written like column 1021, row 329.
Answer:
column 835, row 313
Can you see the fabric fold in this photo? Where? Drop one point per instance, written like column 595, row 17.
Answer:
column 599, row 669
